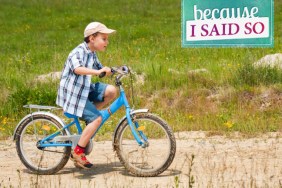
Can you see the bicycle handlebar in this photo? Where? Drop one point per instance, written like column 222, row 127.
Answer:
column 123, row 70
column 104, row 73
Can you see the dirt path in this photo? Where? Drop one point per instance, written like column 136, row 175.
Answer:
column 218, row 162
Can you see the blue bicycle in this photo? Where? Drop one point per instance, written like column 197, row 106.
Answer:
column 143, row 142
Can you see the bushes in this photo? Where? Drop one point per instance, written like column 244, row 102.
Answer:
column 41, row 94
column 252, row 76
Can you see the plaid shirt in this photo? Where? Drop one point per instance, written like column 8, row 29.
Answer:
column 74, row 89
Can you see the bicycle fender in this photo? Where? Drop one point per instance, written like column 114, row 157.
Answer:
column 124, row 119
column 41, row 113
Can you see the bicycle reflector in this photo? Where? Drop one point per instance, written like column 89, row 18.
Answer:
column 46, row 127
column 141, row 128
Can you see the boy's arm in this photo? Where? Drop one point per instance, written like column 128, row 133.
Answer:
column 77, row 66
column 87, row 71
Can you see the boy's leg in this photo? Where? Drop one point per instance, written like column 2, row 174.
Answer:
column 109, row 94
column 88, row 131
column 79, row 151
column 93, row 119
column 101, row 95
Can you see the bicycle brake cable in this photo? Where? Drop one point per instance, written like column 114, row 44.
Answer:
column 132, row 92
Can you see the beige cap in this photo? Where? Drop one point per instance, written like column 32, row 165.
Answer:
column 95, row 27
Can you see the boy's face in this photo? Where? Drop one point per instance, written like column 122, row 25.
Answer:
column 99, row 42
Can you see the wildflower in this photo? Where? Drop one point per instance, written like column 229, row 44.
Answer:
column 190, row 117
column 229, row 124
column 4, row 121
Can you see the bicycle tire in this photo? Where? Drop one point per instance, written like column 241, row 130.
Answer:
column 159, row 135
column 27, row 135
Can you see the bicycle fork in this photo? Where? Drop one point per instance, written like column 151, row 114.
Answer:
column 143, row 141
column 139, row 136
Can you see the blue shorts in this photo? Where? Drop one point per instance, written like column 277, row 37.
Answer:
column 96, row 94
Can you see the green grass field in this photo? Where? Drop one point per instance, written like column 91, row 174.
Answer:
column 36, row 37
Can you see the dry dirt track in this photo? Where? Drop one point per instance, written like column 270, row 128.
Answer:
column 218, row 162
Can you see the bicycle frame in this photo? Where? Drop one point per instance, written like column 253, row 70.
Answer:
column 117, row 104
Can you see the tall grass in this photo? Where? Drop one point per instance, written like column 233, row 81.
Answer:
column 36, row 37
column 250, row 75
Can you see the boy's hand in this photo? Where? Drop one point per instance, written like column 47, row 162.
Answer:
column 107, row 70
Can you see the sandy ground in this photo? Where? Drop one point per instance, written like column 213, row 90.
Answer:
column 201, row 161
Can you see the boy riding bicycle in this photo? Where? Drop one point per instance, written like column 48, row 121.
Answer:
column 77, row 95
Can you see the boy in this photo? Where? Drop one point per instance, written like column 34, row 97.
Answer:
column 76, row 93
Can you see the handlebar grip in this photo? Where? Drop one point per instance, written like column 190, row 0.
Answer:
column 125, row 69
column 102, row 74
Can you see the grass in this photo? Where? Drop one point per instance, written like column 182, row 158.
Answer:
column 36, row 37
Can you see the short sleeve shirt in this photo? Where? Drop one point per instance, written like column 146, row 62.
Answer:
column 74, row 89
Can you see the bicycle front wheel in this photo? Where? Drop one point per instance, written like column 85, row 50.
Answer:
column 153, row 159
column 48, row 160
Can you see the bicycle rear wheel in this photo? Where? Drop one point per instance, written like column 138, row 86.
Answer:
column 47, row 160
column 153, row 159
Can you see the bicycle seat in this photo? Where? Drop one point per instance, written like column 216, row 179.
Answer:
column 68, row 115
